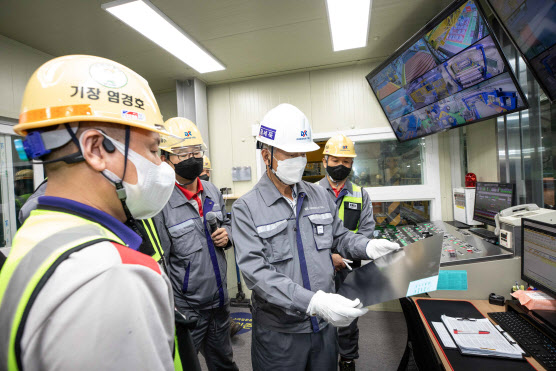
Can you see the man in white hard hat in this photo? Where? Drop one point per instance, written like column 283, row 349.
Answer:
column 194, row 230
column 356, row 211
column 284, row 230
column 74, row 292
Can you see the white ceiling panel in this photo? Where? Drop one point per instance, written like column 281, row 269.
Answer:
column 251, row 37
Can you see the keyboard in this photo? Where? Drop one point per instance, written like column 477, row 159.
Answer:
column 484, row 233
column 533, row 341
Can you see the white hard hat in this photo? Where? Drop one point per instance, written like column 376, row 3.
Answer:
column 287, row 128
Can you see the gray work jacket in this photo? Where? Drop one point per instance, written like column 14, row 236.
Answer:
column 197, row 268
column 366, row 220
column 285, row 259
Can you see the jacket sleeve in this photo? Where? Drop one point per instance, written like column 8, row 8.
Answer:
column 226, row 222
column 261, row 276
column 348, row 244
column 367, row 220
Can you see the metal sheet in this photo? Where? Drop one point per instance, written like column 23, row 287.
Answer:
column 389, row 277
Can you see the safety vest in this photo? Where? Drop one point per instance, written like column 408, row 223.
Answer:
column 156, row 252
column 350, row 209
column 31, row 252
column 32, row 261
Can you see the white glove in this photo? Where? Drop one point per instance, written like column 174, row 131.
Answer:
column 378, row 247
column 335, row 309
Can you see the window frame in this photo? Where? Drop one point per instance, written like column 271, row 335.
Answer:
column 8, row 193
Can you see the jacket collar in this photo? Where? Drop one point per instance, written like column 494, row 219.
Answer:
column 128, row 236
column 270, row 194
column 326, row 184
column 178, row 199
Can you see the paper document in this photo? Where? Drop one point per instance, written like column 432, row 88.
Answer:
column 480, row 337
column 421, row 286
column 444, row 335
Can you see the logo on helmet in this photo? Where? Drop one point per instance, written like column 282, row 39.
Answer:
column 267, row 132
column 130, row 115
column 188, row 134
column 304, row 133
column 108, row 75
column 345, row 147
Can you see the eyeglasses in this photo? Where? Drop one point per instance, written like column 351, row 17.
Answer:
column 188, row 155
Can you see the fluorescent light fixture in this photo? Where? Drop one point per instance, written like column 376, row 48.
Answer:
column 349, row 23
column 149, row 21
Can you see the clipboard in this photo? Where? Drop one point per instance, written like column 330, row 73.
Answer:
column 497, row 340
column 432, row 309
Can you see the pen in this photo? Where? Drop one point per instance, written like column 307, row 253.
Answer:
column 487, row 348
column 346, row 261
column 456, row 331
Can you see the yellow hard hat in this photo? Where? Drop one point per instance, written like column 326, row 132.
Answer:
column 86, row 88
column 339, row 146
column 24, row 174
column 184, row 129
column 206, row 163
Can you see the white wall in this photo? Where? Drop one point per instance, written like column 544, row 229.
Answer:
column 333, row 99
column 482, row 152
column 17, row 64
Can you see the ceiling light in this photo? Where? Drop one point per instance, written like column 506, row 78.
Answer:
column 149, row 21
column 349, row 23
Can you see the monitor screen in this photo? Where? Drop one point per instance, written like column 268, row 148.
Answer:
column 531, row 25
column 490, row 199
column 538, row 255
column 451, row 73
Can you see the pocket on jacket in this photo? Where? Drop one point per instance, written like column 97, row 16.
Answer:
column 276, row 237
column 322, row 230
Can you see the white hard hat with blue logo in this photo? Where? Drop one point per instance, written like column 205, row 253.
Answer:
column 287, row 128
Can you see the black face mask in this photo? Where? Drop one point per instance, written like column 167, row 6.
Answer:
column 190, row 168
column 204, row 177
column 339, row 172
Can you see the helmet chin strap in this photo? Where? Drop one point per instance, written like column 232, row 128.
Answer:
column 120, row 190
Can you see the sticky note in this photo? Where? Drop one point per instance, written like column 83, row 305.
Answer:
column 423, row 285
column 452, row 280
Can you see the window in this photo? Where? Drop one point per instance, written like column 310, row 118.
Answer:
column 548, row 152
column 17, row 183
column 401, row 213
column 388, row 163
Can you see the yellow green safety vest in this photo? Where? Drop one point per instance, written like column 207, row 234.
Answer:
column 44, row 241
column 157, row 253
column 350, row 209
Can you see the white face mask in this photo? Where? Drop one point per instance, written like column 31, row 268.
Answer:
column 154, row 187
column 290, row 170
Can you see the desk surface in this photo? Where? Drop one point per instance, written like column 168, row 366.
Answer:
column 484, row 307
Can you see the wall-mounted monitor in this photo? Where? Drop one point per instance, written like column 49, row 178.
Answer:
column 531, row 25
column 450, row 73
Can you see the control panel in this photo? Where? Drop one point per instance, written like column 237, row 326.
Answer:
column 459, row 246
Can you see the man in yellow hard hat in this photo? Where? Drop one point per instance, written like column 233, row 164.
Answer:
column 194, row 229
column 207, row 168
column 356, row 211
column 74, row 292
